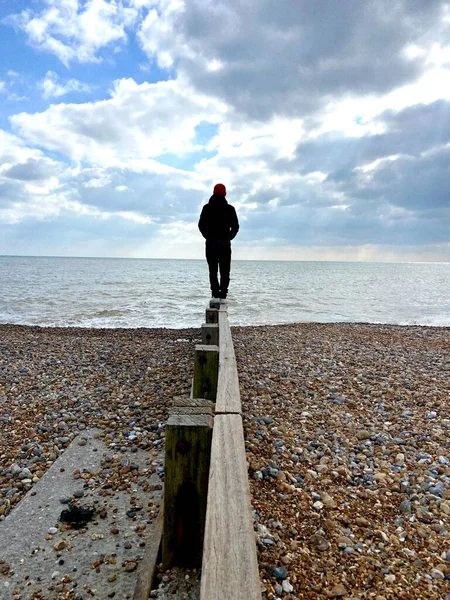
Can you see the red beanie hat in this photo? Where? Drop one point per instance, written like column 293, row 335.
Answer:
column 219, row 188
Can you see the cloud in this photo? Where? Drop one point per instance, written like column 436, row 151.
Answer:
column 137, row 122
column 32, row 170
column 76, row 30
column 268, row 59
column 329, row 122
column 52, row 88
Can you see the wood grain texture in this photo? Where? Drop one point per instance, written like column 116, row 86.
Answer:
column 210, row 334
column 191, row 410
column 188, row 401
column 186, row 465
column 228, row 399
column 206, row 369
column 229, row 567
column 147, row 569
column 212, row 315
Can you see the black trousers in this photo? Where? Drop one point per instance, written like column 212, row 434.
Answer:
column 218, row 255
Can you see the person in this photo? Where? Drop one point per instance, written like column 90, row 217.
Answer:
column 219, row 225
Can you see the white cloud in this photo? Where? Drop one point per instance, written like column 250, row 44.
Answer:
column 2, row 86
column 52, row 88
column 138, row 123
column 76, row 30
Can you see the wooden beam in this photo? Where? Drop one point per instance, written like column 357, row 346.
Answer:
column 228, row 398
column 187, row 458
column 206, row 370
column 210, row 334
column 190, row 402
column 191, row 410
column 147, row 569
column 230, row 567
column 214, row 303
column 212, row 315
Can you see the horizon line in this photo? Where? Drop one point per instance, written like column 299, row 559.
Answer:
column 397, row 261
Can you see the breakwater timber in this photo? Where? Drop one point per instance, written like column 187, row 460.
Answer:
column 346, row 431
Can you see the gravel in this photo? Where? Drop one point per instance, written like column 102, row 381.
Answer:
column 347, row 435
column 347, row 432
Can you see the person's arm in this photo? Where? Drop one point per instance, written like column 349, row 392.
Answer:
column 234, row 224
column 203, row 223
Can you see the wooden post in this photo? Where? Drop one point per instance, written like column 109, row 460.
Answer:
column 212, row 315
column 210, row 334
column 206, row 371
column 187, row 458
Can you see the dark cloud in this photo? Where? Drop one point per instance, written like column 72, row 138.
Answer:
column 289, row 58
column 159, row 197
column 409, row 132
column 32, row 170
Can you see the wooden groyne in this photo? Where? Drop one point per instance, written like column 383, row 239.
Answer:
column 207, row 520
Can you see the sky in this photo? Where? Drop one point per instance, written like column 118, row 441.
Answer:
column 328, row 122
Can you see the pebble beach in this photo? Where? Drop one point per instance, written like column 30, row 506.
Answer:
column 347, row 432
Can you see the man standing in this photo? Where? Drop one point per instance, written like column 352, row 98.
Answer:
column 218, row 225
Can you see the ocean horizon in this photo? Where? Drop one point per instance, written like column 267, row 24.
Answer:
column 111, row 292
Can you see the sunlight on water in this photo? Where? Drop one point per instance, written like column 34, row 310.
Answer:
column 174, row 293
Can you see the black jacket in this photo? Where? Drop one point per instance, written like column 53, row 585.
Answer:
column 218, row 221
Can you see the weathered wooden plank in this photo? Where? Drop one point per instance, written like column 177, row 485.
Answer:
column 228, row 398
column 206, row 370
column 212, row 315
column 191, row 410
column 147, row 569
column 210, row 334
column 230, row 567
column 187, row 458
column 188, row 401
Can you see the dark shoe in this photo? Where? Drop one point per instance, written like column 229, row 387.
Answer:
column 222, row 295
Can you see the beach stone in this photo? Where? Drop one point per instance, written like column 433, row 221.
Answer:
column 319, row 542
column 279, row 573
column 288, row 588
column 327, row 500
column 437, row 574
column 336, row 591
column 25, row 474
column 405, row 506
column 344, row 541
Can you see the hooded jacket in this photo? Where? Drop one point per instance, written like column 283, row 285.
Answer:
column 218, row 221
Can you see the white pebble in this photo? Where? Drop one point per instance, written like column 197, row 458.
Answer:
column 436, row 574
column 318, row 505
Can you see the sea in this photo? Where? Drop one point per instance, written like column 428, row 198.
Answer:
column 131, row 293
